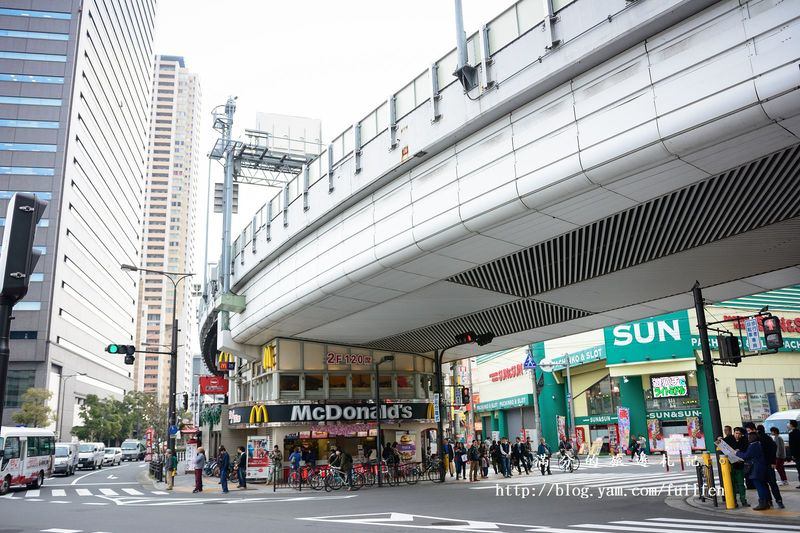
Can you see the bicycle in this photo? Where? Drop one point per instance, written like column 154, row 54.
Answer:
column 568, row 462
column 337, row 478
column 432, row 471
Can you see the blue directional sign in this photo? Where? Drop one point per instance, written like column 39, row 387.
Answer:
column 173, row 430
column 529, row 363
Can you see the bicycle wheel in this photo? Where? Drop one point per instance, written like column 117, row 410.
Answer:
column 295, row 480
column 434, row 474
column 333, row 482
column 369, row 478
column 358, row 481
column 412, row 475
column 316, row 481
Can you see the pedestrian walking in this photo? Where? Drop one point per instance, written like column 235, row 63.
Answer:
column 346, row 464
column 505, row 457
column 520, row 456
column 199, row 463
column 484, row 452
column 494, row 455
column 241, row 467
column 448, row 456
column 460, row 460
column 755, row 469
column 474, row 456
column 634, row 448
column 544, row 453
column 794, row 446
column 780, row 454
column 224, row 460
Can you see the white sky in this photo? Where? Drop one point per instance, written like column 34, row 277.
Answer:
column 335, row 60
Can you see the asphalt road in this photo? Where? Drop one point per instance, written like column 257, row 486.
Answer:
column 113, row 500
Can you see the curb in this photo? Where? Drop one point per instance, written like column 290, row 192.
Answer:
column 694, row 505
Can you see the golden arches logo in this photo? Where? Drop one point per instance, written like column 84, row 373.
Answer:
column 268, row 357
column 258, row 414
column 225, row 357
column 430, row 413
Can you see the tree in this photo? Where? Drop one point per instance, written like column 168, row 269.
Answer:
column 34, row 411
column 111, row 420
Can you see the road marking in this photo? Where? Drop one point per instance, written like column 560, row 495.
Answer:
column 109, row 492
column 83, row 492
column 94, row 503
column 133, row 492
column 112, row 476
column 32, row 493
column 160, row 492
column 751, row 524
column 96, row 484
column 59, row 492
column 58, row 501
column 58, row 530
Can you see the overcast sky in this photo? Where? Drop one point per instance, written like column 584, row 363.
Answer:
column 334, row 60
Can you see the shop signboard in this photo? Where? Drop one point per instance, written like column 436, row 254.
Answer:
column 652, row 339
column 329, row 412
column 436, row 408
column 580, row 436
column 695, row 430
column 258, row 457
column 654, row 435
column 356, row 359
column 595, row 420
column 505, row 403
column 188, row 461
column 213, row 385
column 673, row 414
column 582, row 357
column 677, row 445
column 496, row 436
column 624, row 425
column 561, row 424
column 669, row 386
column 407, row 446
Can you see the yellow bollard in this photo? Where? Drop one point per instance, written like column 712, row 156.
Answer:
column 727, row 483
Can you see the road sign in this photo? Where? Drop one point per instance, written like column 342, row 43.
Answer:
column 753, row 337
column 436, row 414
column 529, row 363
column 173, row 430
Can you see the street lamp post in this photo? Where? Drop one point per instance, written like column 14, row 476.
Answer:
column 378, row 444
column 60, row 413
column 175, row 278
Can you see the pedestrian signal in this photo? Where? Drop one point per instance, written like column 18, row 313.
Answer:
column 772, row 333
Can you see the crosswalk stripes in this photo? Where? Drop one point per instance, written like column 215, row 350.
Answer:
column 32, row 493
column 108, row 492
column 674, row 525
column 82, row 492
column 607, row 479
column 59, row 492
column 133, row 492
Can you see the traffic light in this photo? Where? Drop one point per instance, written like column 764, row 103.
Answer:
column 466, row 338
column 729, row 351
column 465, row 395
column 18, row 258
column 185, row 401
column 484, row 339
column 123, row 349
column 772, row 333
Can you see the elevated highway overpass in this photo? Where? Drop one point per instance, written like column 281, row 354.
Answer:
column 611, row 156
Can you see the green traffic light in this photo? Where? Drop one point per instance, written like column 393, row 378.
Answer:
column 113, row 348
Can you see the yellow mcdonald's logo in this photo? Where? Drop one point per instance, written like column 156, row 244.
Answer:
column 258, row 414
column 268, row 357
column 430, row 411
column 225, row 357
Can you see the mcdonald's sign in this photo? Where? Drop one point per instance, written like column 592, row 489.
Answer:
column 430, row 413
column 226, row 362
column 268, row 361
column 258, row 414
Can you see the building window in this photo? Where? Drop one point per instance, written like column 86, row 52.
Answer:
column 28, row 306
column 362, row 385
column 756, row 399
column 24, row 147
column 20, row 100
column 315, row 385
column 35, row 14
column 405, row 386
column 603, row 397
column 24, row 335
column 6, row 195
column 792, row 390
column 290, row 383
column 43, row 124
column 17, row 383
column 27, row 78
column 25, row 56
column 337, row 385
column 35, row 35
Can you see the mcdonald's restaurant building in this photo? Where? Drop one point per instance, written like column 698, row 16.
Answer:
column 652, row 367
column 318, row 396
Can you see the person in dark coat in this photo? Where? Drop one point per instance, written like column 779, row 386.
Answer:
column 494, row 455
column 769, row 450
column 224, row 464
column 737, row 469
column 241, row 467
column 544, row 453
column 794, row 446
column 758, row 469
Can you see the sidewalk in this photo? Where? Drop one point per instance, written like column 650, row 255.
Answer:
column 184, row 483
column 790, row 495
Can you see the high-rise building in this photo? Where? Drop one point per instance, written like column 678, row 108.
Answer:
column 74, row 112
column 170, row 210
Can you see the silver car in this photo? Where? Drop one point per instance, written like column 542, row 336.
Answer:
column 112, row 457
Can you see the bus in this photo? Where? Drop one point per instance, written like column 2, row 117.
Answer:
column 26, row 457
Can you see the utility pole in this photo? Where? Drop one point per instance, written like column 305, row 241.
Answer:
column 471, row 412
column 438, row 355
column 708, row 365
column 537, row 422
column 573, row 434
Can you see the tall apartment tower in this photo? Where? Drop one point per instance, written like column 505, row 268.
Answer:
column 170, row 211
column 75, row 83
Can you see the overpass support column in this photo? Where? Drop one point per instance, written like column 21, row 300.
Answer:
column 552, row 400
column 631, row 395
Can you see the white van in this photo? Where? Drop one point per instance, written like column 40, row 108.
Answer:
column 780, row 420
column 91, row 455
column 66, row 458
column 26, row 457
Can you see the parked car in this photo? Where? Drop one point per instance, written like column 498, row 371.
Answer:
column 132, row 450
column 66, row 458
column 112, row 457
column 26, row 457
column 91, row 455
column 780, row 420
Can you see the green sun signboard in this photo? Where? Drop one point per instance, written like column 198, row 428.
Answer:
column 657, row 338
column 669, row 386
